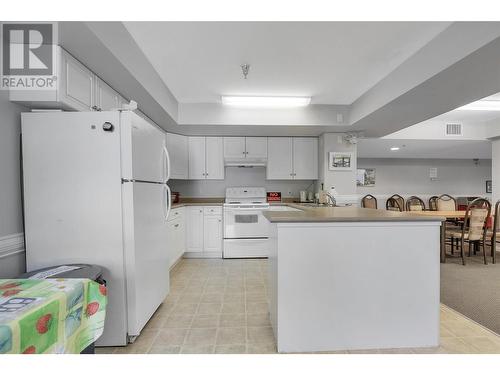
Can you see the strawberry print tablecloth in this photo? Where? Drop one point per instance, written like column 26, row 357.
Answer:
column 51, row 315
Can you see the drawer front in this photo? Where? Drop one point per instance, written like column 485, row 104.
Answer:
column 246, row 248
column 212, row 210
column 176, row 213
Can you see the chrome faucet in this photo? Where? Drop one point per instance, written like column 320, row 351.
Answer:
column 331, row 198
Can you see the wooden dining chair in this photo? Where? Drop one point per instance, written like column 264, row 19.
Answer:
column 474, row 228
column 446, row 202
column 369, row 201
column 433, row 203
column 493, row 233
column 389, row 204
column 394, row 204
column 415, row 204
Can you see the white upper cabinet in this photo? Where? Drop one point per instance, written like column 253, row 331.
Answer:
column 279, row 158
column 206, row 158
column 234, row 147
column 256, row 147
column 196, row 148
column 76, row 83
column 292, row 158
column 177, row 146
column 76, row 88
column 245, row 147
column 106, row 98
column 214, row 154
column 305, row 158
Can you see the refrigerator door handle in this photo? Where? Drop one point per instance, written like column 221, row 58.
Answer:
column 167, row 159
column 168, row 204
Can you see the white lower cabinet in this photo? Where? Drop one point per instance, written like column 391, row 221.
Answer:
column 176, row 235
column 194, row 229
column 204, row 232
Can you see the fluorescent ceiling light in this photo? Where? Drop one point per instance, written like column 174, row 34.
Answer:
column 481, row 105
column 266, row 101
column 394, row 148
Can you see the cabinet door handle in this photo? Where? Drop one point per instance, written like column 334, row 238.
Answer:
column 243, row 152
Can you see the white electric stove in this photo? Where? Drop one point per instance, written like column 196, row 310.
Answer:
column 245, row 227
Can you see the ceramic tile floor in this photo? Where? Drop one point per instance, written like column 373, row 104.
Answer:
column 219, row 306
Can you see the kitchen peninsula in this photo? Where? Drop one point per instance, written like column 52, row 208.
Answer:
column 345, row 278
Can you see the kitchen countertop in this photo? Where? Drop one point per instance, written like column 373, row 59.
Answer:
column 220, row 202
column 341, row 214
column 322, row 214
column 186, row 204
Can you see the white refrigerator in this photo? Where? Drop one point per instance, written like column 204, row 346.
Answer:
column 95, row 191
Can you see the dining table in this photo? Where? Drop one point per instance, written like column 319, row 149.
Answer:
column 445, row 215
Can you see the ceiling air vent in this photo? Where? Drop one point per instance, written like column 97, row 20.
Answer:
column 453, row 129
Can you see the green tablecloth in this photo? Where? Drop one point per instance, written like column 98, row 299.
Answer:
column 51, row 315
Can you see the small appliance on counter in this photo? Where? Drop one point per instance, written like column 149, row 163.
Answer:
column 176, row 196
column 303, row 196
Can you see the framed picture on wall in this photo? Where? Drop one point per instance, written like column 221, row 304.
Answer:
column 340, row 161
column 489, row 186
column 366, row 177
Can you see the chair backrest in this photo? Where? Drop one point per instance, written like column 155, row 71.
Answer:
column 394, row 204
column 496, row 220
column 446, row 202
column 476, row 218
column 433, row 203
column 369, row 201
column 415, row 204
column 400, row 200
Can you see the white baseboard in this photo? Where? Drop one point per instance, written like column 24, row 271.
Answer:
column 11, row 245
column 207, row 254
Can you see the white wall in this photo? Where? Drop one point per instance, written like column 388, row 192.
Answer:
column 10, row 189
column 238, row 177
column 411, row 177
column 495, row 161
column 343, row 181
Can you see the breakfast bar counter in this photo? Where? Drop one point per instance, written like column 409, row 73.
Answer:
column 345, row 278
column 309, row 214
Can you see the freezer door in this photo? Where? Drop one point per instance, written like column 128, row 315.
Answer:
column 73, row 203
column 148, row 152
column 146, row 253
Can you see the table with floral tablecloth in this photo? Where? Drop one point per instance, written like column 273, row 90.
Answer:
column 50, row 315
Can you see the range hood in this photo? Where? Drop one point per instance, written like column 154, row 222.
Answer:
column 245, row 162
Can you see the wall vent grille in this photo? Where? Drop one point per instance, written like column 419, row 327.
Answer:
column 454, row 130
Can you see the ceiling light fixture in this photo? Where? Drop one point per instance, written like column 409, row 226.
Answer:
column 481, row 105
column 266, row 101
column 394, row 148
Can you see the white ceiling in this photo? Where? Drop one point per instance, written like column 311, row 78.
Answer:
column 471, row 117
column 334, row 62
column 424, row 149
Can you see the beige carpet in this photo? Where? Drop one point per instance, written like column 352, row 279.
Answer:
column 473, row 289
